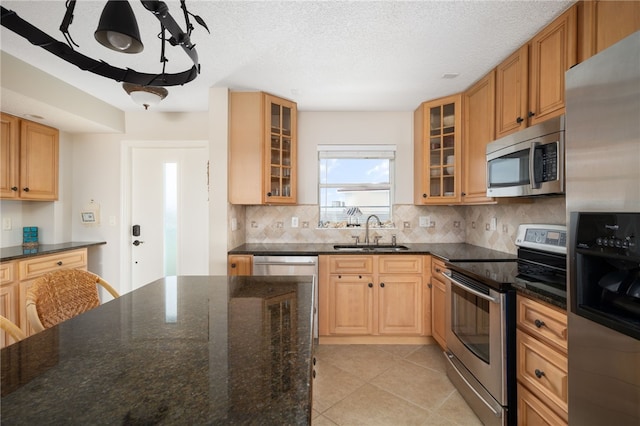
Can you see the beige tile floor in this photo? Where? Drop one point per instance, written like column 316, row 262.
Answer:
column 385, row 385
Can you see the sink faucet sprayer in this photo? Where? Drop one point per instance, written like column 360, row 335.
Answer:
column 366, row 232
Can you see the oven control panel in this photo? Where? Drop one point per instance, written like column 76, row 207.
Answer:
column 552, row 238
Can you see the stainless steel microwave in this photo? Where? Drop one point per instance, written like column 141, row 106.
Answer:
column 528, row 163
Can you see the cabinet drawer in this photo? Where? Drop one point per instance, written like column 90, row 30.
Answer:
column 351, row 264
column 400, row 264
column 532, row 411
column 543, row 371
column 437, row 266
column 545, row 323
column 7, row 273
column 41, row 265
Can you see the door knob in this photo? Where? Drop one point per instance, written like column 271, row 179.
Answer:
column 137, row 242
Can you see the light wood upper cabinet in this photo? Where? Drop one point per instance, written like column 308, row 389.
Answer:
column 9, row 156
column 29, row 160
column 438, row 151
column 511, row 92
column 553, row 51
column 262, row 149
column 530, row 82
column 479, row 130
column 604, row 23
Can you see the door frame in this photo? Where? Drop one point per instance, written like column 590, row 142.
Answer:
column 126, row 162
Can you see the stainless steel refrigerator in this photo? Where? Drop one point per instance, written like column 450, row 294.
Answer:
column 603, row 203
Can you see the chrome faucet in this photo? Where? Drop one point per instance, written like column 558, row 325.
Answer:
column 366, row 232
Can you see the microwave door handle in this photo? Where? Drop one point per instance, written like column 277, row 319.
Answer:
column 470, row 290
column 532, row 165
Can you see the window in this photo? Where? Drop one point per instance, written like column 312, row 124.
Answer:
column 355, row 181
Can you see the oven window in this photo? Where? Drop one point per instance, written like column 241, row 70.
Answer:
column 470, row 322
column 509, row 170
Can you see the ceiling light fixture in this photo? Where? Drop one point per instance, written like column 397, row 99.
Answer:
column 118, row 28
column 145, row 95
column 115, row 35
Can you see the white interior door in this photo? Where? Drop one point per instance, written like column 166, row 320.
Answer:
column 169, row 204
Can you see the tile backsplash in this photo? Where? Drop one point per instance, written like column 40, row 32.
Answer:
column 449, row 224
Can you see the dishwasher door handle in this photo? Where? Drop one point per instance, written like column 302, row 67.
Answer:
column 285, row 263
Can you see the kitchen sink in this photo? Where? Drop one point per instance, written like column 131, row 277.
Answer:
column 370, row 248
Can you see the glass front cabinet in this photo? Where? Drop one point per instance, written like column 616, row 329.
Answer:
column 262, row 149
column 437, row 151
column 280, row 179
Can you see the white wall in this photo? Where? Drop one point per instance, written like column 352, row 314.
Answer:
column 355, row 128
column 96, row 160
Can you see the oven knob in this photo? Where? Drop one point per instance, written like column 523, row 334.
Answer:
column 618, row 243
column 599, row 241
column 625, row 244
column 605, row 242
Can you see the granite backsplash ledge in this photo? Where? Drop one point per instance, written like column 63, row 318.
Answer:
column 450, row 224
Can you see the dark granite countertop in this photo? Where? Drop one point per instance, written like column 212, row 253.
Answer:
column 181, row 350
column 19, row 252
column 446, row 251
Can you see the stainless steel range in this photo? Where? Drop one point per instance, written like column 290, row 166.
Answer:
column 481, row 320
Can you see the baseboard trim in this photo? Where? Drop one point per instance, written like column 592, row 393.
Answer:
column 376, row 340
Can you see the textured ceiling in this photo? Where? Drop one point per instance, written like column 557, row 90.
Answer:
column 325, row 55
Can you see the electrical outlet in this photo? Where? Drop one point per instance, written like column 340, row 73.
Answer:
column 6, row 224
column 494, row 224
column 112, row 221
column 294, row 222
column 505, row 228
column 425, row 221
column 234, row 224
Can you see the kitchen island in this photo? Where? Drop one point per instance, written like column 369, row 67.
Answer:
column 180, row 350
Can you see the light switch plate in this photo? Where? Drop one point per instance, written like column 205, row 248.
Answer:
column 425, row 221
column 294, row 222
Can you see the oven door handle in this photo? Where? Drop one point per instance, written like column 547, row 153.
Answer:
column 470, row 290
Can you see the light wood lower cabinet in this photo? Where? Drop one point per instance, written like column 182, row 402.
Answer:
column 542, row 367
column 364, row 295
column 17, row 276
column 438, row 302
column 240, row 264
column 9, row 293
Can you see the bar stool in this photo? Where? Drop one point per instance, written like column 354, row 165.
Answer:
column 63, row 294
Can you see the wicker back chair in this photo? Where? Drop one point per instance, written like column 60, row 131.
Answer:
column 63, row 294
column 11, row 329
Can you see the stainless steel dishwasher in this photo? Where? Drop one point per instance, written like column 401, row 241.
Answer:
column 291, row 265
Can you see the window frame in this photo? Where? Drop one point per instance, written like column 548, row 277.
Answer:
column 356, row 152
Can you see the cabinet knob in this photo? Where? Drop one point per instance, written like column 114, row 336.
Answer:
column 424, row 195
column 430, row 285
column 268, row 194
column 25, row 189
column 519, row 120
column 539, row 373
column 59, row 263
column 531, row 114
column 464, row 194
column 233, row 265
column 14, row 188
column 382, row 285
column 538, row 323
column 437, row 269
column 370, row 285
